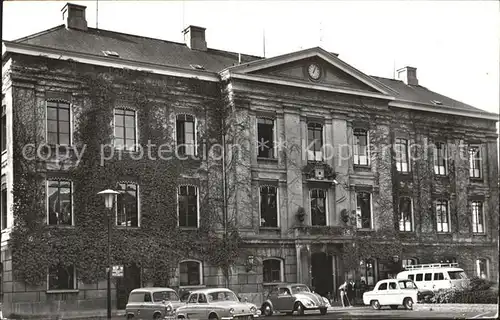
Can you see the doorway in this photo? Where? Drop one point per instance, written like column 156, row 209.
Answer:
column 131, row 280
column 322, row 273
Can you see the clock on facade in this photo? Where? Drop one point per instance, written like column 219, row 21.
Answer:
column 314, row 71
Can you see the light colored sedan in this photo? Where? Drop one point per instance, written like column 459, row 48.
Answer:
column 393, row 293
column 216, row 304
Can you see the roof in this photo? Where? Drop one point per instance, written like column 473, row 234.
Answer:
column 133, row 47
column 420, row 94
column 143, row 50
column 154, row 289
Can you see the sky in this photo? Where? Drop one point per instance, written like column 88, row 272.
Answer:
column 453, row 45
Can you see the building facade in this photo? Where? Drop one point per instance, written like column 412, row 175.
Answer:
column 327, row 173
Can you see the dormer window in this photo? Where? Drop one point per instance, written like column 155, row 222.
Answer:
column 437, row 102
column 111, row 53
column 197, row 66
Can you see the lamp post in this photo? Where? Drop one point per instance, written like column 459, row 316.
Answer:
column 109, row 197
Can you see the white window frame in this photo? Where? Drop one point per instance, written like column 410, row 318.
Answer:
column 282, row 271
column 413, row 260
column 136, row 129
column 195, row 145
column 70, row 120
column 487, row 265
column 197, row 205
column 277, row 205
column 481, row 213
column 47, row 200
column 75, row 283
column 275, row 147
column 200, row 266
column 480, row 159
column 327, row 212
column 436, row 158
column 356, row 157
column 411, row 215
column 447, row 213
column 138, row 205
column 310, row 156
column 358, row 218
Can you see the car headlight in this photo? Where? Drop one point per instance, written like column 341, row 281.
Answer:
column 308, row 303
column 168, row 308
column 253, row 309
column 231, row 311
column 325, row 300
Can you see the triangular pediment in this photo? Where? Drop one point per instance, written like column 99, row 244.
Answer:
column 302, row 67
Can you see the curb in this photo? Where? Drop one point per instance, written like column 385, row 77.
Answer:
column 456, row 307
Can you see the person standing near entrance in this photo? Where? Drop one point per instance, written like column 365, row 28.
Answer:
column 350, row 292
column 343, row 294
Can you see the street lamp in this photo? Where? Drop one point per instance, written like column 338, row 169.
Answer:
column 109, row 197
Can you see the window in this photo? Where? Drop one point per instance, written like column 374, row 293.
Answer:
column 127, row 209
column 438, row 276
column 4, row 203
column 202, row 298
column 188, row 206
column 361, row 155
column 190, row 273
column 62, row 278
column 367, row 270
column 272, row 271
column 319, row 210
column 440, row 159
column 419, row 277
column 408, row 262
column 125, row 129
column 482, row 268
column 477, row 217
column 405, row 214
column 442, row 216
column 411, row 277
column 393, row 285
column 160, row 296
column 363, row 210
column 268, row 206
column 428, row 277
column 474, row 162
column 265, row 138
column 58, row 123
column 401, row 150
column 59, row 202
column 147, row 297
column 4, row 129
column 186, row 134
column 315, row 141
column 383, row 286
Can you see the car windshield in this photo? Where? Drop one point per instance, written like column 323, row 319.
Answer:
column 405, row 284
column 222, row 296
column 165, row 295
column 299, row 289
column 456, row 275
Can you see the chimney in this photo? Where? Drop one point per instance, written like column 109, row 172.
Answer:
column 194, row 37
column 74, row 15
column 408, row 75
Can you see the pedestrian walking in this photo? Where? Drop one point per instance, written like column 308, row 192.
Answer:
column 350, row 292
column 343, row 295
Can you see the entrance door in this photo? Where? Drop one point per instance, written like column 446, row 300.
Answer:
column 321, row 272
column 130, row 281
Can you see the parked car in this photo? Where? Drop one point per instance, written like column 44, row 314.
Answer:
column 216, row 303
column 152, row 303
column 289, row 298
column 436, row 276
column 393, row 293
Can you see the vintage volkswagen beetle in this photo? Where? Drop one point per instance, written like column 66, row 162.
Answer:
column 152, row 303
column 293, row 297
column 216, row 304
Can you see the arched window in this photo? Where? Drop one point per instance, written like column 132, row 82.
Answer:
column 272, row 270
column 190, row 273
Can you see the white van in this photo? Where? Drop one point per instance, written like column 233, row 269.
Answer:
column 435, row 276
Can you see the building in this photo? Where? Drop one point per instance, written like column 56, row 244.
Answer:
column 319, row 159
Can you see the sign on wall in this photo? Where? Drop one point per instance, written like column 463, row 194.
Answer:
column 117, row 271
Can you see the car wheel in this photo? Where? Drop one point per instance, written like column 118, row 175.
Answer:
column 299, row 307
column 375, row 304
column 394, row 307
column 323, row 311
column 157, row 316
column 213, row 316
column 267, row 310
column 408, row 303
column 130, row 316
